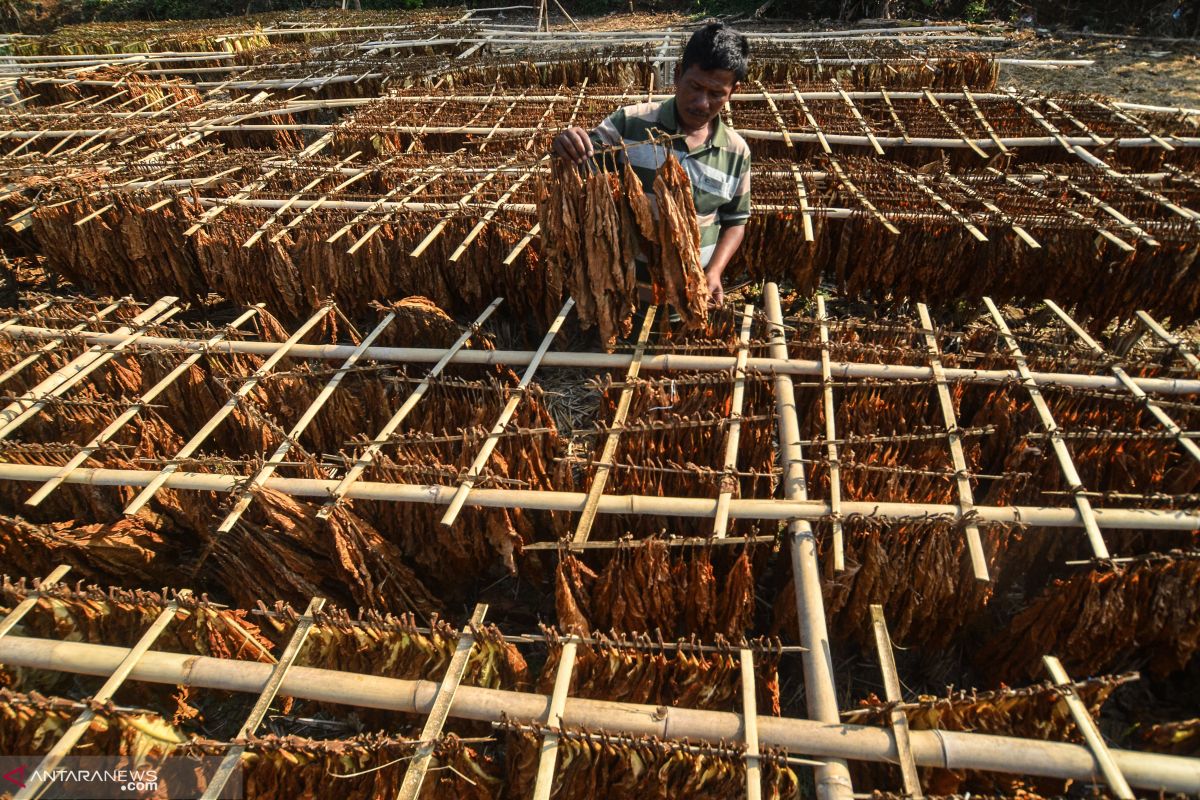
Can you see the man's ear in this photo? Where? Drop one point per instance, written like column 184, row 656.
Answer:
column 678, row 71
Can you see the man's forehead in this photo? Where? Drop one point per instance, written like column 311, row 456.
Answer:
column 714, row 79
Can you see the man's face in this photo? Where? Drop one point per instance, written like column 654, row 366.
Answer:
column 701, row 94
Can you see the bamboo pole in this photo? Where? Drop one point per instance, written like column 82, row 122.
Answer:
column 940, row 749
column 843, row 370
column 734, row 431
column 689, row 507
column 833, row 779
column 489, row 445
column 583, row 528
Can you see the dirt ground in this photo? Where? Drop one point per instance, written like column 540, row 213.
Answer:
column 1153, row 71
column 1158, row 72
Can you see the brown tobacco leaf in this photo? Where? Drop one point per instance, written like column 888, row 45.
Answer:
column 569, row 589
column 1147, row 613
column 685, row 283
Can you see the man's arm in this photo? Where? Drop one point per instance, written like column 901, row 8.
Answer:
column 728, row 243
column 578, row 145
column 733, row 217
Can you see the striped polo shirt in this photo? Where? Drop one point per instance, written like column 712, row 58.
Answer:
column 719, row 169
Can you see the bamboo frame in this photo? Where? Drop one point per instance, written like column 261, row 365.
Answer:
column 841, row 370
column 966, row 498
column 245, row 494
column 1066, row 464
column 898, row 719
column 80, row 725
column 583, row 528
column 733, row 431
column 364, row 460
column 941, row 749
column 224, row 411
column 1155, row 410
column 489, row 445
column 59, row 382
column 440, row 712
column 147, row 397
column 270, row 690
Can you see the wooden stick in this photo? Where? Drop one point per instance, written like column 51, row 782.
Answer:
column 734, row 432
column 12, row 618
column 1087, row 726
column 233, row 756
column 587, row 518
column 987, row 126
column 368, row 455
column 1062, row 454
column 1172, row 341
column 887, row 101
column 862, row 123
column 812, row 122
column 835, row 469
column 992, row 207
column 224, row 411
column 462, row 201
column 52, row 345
column 966, row 498
column 941, row 202
column 410, row 789
column 495, row 207
column 558, row 700
column 891, row 687
column 862, row 198
column 489, row 444
column 802, row 197
column 1155, row 410
column 750, row 725
column 933, row 101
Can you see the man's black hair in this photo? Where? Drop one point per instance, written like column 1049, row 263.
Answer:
column 716, row 46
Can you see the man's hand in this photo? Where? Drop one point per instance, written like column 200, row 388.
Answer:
column 574, row 145
column 715, row 289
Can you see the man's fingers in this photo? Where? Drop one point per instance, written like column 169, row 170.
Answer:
column 573, row 144
column 583, row 144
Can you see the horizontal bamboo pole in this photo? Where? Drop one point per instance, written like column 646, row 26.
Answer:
column 635, row 505
column 620, row 361
column 942, row 749
column 778, row 136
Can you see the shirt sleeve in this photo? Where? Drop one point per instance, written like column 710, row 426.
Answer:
column 736, row 211
column 610, row 132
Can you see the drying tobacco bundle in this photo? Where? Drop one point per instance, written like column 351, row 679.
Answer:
column 642, row 670
column 599, row 765
column 116, row 615
column 30, row 724
column 596, row 224
column 381, row 644
column 1032, row 712
column 588, row 237
column 647, row 588
column 1146, row 614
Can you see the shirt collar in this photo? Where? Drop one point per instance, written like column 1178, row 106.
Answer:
column 668, row 122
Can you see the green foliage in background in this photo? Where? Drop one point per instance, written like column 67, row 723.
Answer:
column 1154, row 17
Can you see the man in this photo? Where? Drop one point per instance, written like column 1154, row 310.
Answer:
column 715, row 157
